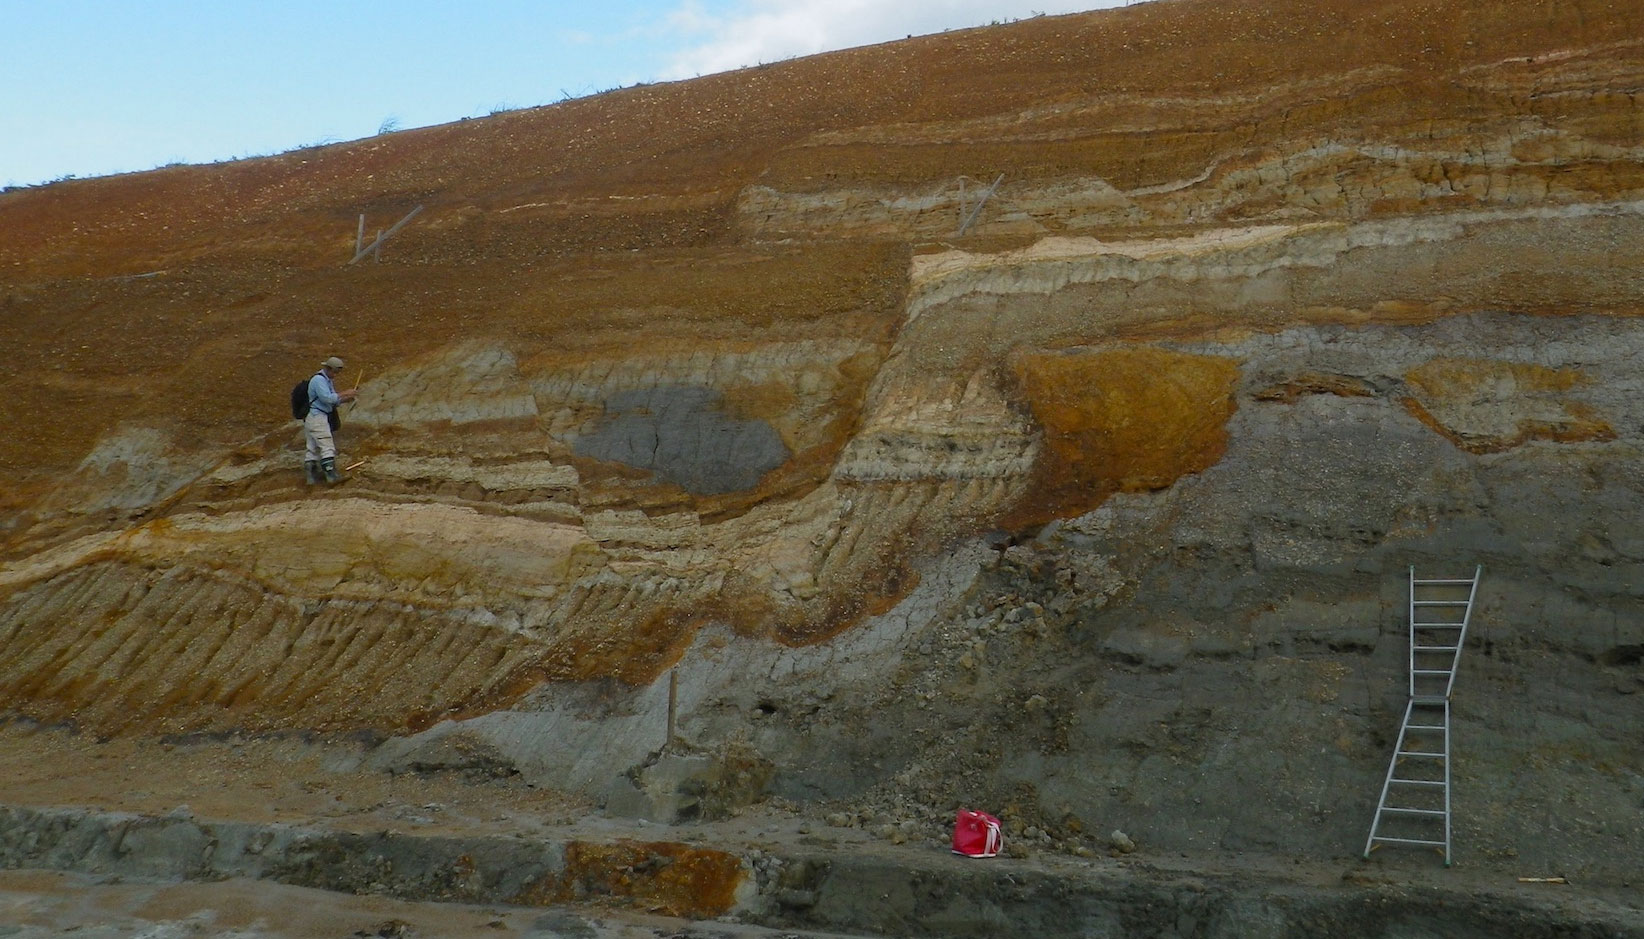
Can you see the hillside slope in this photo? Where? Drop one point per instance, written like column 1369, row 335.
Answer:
column 1099, row 512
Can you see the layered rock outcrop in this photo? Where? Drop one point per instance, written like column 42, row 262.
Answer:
column 1101, row 510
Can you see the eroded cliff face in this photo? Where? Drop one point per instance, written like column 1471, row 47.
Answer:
column 1101, row 510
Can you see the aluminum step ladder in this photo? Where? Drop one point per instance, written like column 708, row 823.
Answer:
column 1415, row 796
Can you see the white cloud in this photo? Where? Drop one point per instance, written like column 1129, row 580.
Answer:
column 759, row 31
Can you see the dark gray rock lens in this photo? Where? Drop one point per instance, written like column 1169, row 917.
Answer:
column 686, row 437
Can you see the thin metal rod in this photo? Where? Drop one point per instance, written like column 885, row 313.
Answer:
column 981, row 201
column 1412, row 621
column 673, row 696
column 1447, row 775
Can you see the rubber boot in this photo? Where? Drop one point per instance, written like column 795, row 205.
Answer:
column 312, row 468
column 329, row 467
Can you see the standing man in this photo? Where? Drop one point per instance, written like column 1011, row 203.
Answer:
column 323, row 397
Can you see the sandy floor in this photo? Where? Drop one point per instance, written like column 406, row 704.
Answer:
column 271, row 779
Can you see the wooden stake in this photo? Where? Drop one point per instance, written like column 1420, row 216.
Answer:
column 979, row 203
column 375, row 247
column 357, row 380
column 673, row 694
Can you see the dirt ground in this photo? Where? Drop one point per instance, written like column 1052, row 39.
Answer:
column 272, row 779
column 37, row 904
column 319, row 783
column 312, row 782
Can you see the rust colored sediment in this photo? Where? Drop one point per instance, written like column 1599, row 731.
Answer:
column 1314, row 383
column 661, row 877
column 1121, row 420
column 1527, row 403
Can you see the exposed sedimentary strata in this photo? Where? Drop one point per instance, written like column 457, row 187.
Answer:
column 923, row 431
column 522, row 474
column 1567, row 143
column 1483, row 406
column 477, row 383
column 190, row 647
column 556, row 587
column 1441, row 262
column 1005, row 400
column 1134, row 469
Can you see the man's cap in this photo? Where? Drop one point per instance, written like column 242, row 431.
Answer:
column 333, row 363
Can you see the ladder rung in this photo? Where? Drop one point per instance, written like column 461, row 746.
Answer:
column 1436, row 844
column 1432, row 671
column 1416, row 782
column 1440, row 602
column 1393, row 808
column 1434, row 648
column 1423, row 753
column 1463, row 580
column 1437, row 625
column 1425, row 727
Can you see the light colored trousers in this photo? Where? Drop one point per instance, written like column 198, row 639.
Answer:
column 317, row 432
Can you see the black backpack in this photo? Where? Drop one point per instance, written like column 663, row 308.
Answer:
column 299, row 399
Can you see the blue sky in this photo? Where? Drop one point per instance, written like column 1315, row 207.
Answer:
column 92, row 87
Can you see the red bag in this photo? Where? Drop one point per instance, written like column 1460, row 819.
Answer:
column 976, row 834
